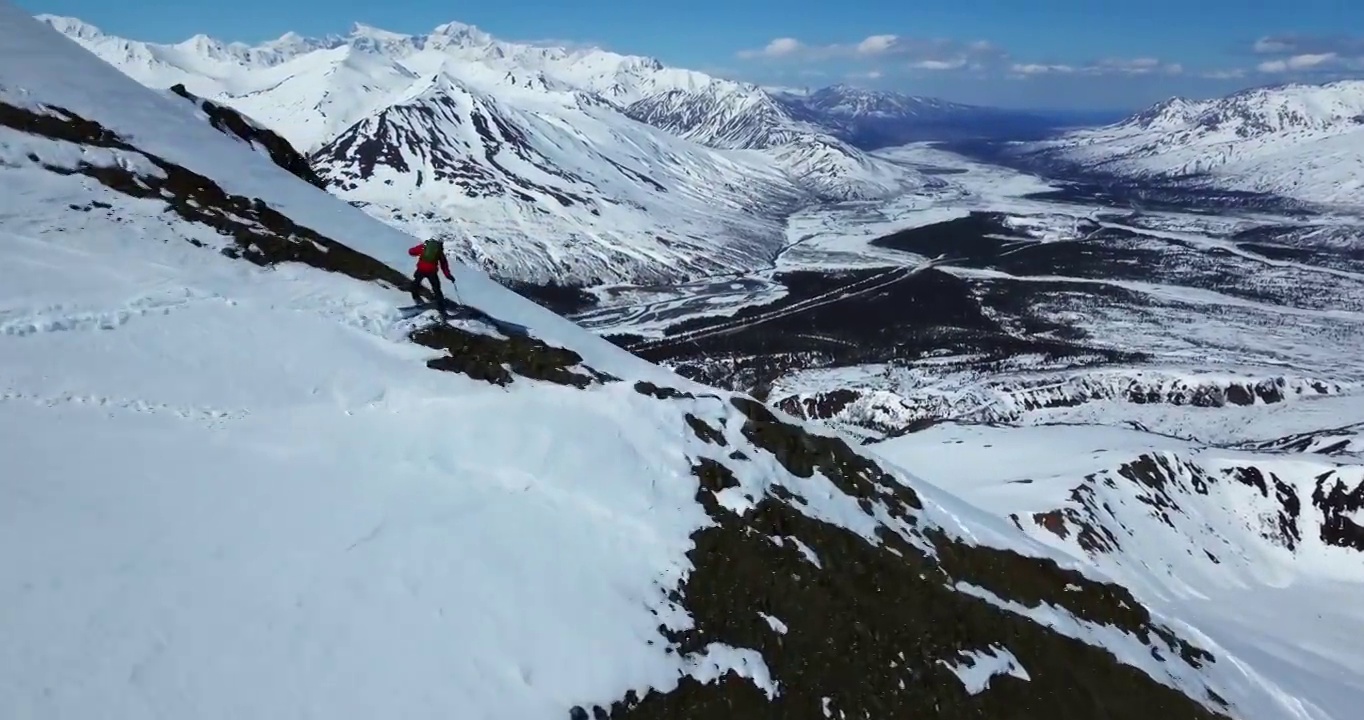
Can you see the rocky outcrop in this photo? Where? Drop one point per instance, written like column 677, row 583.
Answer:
column 855, row 626
column 1213, row 507
column 233, row 123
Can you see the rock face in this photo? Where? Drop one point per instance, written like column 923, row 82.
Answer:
column 254, row 134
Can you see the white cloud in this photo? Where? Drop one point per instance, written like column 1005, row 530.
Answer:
column 1232, row 74
column 1300, row 44
column 877, row 44
column 778, row 48
column 1039, row 69
column 1109, row 66
column 1298, row 62
column 1272, row 46
column 1134, row 66
column 956, row 64
column 916, row 50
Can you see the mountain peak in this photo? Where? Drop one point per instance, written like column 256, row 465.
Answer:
column 363, row 30
column 74, row 27
column 456, row 28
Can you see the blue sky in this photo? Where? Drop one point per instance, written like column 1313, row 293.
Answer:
column 1098, row 54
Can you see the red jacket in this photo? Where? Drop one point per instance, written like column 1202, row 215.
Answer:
column 427, row 268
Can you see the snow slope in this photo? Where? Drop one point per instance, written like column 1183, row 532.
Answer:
column 259, row 492
column 1300, row 141
column 645, row 206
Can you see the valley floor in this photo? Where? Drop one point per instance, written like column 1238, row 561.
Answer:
column 992, row 280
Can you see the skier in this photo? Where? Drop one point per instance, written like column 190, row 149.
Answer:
column 430, row 255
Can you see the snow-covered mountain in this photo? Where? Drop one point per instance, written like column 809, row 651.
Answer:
column 239, row 484
column 1301, row 141
column 729, row 115
column 593, row 195
column 530, row 196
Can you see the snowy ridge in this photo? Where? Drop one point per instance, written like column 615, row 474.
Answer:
column 1282, row 535
column 722, row 115
column 728, row 115
column 539, row 198
column 569, row 105
column 259, row 137
column 1247, row 520
column 1258, row 551
column 281, row 487
column 1011, row 399
column 852, row 102
column 1300, row 141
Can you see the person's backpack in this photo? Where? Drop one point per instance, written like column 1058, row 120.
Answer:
column 432, row 251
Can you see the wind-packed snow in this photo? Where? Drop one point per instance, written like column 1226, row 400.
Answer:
column 1300, row 141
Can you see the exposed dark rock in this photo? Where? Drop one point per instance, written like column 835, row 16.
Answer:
column 644, row 387
column 231, row 122
column 871, row 629
column 1337, row 502
column 802, row 453
column 820, row 406
column 496, row 360
column 706, row 431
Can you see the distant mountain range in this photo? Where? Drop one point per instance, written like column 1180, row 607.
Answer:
column 872, row 119
column 1304, row 142
column 542, row 163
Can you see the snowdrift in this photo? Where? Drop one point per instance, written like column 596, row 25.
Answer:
column 239, row 485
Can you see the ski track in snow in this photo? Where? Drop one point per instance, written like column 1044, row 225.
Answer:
column 98, row 402
column 63, row 318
